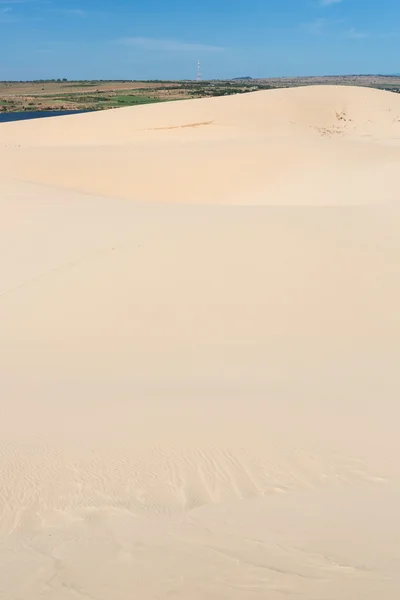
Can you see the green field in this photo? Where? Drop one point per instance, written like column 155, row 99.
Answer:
column 61, row 94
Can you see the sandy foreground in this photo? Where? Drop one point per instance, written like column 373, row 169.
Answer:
column 200, row 349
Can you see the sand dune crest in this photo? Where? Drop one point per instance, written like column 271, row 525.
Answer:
column 312, row 146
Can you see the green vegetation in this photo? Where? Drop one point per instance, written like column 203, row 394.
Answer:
column 223, row 88
column 7, row 105
column 101, row 100
column 61, row 94
column 131, row 100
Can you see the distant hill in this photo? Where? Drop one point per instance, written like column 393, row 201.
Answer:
column 241, row 78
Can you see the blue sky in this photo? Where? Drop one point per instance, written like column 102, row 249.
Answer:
column 159, row 39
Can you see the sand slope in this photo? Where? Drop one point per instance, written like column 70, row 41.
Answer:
column 304, row 146
column 201, row 400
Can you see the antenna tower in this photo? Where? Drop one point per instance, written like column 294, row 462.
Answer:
column 199, row 73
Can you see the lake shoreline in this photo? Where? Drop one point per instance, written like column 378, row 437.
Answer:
column 9, row 117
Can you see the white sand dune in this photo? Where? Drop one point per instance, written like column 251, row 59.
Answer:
column 201, row 400
column 270, row 148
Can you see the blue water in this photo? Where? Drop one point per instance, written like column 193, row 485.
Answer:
column 22, row 116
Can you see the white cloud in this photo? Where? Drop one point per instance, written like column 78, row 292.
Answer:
column 315, row 27
column 10, row 2
column 329, row 2
column 6, row 15
column 160, row 45
column 75, row 12
column 355, row 34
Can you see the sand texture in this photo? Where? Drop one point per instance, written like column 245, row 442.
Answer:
column 200, row 350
